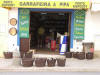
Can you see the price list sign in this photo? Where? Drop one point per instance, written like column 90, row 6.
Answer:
column 24, row 23
column 79, row 23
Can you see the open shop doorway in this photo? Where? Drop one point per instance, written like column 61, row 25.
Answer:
column 46, row 29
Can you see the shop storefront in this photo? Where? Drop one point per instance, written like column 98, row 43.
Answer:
column 32, row 23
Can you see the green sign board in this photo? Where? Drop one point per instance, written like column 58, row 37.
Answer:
column 24, row 22
column 79, row 23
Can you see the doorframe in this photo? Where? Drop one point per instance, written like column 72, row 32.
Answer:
column 53, row 10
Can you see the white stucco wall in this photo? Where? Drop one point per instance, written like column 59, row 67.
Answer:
column 92, row 28
column 12, row 46
column 7, row 41
column 13, row 13
column 89, row 27
column 96, row 24
column 3, row 30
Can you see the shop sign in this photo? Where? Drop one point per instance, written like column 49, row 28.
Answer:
column 64, row 4
column 79, row 22
column 24, row 23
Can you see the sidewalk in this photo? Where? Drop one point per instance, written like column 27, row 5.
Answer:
column 72, row 65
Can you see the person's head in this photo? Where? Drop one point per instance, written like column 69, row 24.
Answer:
column 66, row 33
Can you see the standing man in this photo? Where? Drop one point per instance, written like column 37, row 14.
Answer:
column 66, row 34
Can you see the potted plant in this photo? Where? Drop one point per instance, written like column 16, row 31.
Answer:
column 27, row 62
column 27, row 54
column 68, row 54
column 51, row 62
column 8, row 54
column 61, row 61
column 40, row 62
column 75, row 54
column 81, row 55
column 89, row 55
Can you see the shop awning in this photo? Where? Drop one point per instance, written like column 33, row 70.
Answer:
column 63, row 4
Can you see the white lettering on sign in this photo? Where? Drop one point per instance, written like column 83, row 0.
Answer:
column 24, row 22
column 79, row 37
column 23, row 34
column 79, row 21
column 81, row 29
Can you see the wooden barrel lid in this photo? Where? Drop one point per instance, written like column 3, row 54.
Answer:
column 13, row 31
column 13, row 21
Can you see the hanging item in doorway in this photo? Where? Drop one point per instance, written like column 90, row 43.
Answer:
column 63, row 44
column 41, row 31
column 13, row 21
column 13, row 31
column 53, row 45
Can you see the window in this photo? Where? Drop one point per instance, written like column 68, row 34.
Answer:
column 2, row 28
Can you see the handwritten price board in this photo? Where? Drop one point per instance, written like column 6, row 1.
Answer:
column 79, row 22
column 24, row 23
